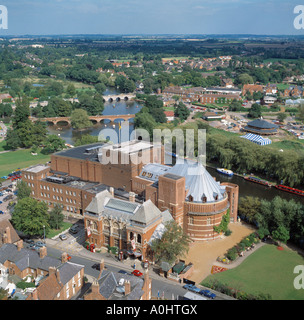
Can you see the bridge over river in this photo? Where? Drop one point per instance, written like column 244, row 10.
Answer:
column 111, row 118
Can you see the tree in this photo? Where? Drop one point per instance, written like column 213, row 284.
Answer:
column 86, row 139
column 24, row 191
column 181, row 111
column 100, row 87
column 29, row 216
column 281, row 117
column 53, row 144
column 281, row 234
column 56, row 217
column 255, row 111
column 12, row 139
column 71, row 90
column 80, row 119
column 173, row 243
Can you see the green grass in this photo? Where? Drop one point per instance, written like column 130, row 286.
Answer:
column 52, row 233
column 288, row 145
column 13, row 160
column 268, row 270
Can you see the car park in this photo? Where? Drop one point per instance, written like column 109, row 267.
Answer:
column 137, row 273
column 208, row 294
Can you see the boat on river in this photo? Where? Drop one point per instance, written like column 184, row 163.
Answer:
column 257, row 180
column 225, row 171
column 290, row 190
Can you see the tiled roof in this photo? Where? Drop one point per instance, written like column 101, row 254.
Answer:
column 3, row 225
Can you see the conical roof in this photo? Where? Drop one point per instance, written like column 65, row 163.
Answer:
column 146, row 213
column 199, row 183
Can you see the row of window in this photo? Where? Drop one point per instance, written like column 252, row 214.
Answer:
column 47, row 195
column 71, row 193
column 191, row 221
column 67, row 208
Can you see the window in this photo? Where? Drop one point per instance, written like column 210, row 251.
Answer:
column 208, row 221
column 139, row 238
column 115, row 227
column 191, row 220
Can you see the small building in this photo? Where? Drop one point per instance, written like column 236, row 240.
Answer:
column 169, row 115
column 257, row 139
column 212, row 116
column 261, row 127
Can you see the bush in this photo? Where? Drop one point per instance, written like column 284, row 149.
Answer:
column 23, row 285
column 228, row 232
column 232, row 254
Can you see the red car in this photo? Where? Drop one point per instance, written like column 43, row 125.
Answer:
column 137, row 273
column 69, row 257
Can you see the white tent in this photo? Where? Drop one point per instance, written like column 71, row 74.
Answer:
column 257, row 139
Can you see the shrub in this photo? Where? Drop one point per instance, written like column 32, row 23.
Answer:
column 228, row 232
column 22, row 285
column 232, row 254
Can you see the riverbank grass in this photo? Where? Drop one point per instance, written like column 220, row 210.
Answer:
column 268, row 270
column 13, row 160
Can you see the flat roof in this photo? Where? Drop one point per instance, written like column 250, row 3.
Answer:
column 80, row 152
column 37, row 168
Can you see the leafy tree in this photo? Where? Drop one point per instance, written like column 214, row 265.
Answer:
column 100, row 87
column 12, row 140
column 53, row 144
column 181, row 111
column 173, row 244
column 29, row 217
column 80, row 119
column 71, row 90
column 24, row 191
column 56, row 217
column 255, row 111
column 86, row 139
column 281, row 234
column 282, row 116
column 145, row 120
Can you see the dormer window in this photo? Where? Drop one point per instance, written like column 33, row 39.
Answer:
column 190, row 198
column 204, row 198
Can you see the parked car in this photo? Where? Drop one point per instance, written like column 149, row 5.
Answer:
column 74, row 229
column 63, row 237
column 1, row 202
column 40, row 244
column 191, row 287
column 123, row 272
column 69, row 257
column 29, row 241
column 137, row 273
column 208, row 294
column 1, row 212
column 96, row 266
column 32, row 246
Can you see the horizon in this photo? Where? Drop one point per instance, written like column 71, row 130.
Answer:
column 160, row 17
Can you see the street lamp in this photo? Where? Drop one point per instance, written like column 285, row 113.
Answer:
column 44, row 233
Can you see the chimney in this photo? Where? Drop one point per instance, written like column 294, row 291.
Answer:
column 132, row 197
column 112, row 191
column 7, row 235
column 35, row 295
column 19, row 245
column 64, row 257
column 52, row 270
column 95, row 287
column 58, row 276
column 101, row 265
column 42, row 252
column 127, row 287
column 147, row 285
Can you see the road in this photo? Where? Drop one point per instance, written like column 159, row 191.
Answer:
column 160, row 286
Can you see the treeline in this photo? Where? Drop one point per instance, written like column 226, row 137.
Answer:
column 280, row 218
column 243, row 156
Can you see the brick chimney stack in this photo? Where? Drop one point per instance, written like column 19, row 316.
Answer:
column 42, row 252
column 52, row 270
column 58, row 275
column 127, row 287
column 64, row 257
column 35, row 295
column 19, row 245
column 112, row 191
column 102, row 266
column 132, row 197
column 7, row 235
column 95, row 287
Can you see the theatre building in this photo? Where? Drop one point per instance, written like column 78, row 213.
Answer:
column 123, row 203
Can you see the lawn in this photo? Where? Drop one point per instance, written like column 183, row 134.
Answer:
column 286, row 145
column 268, row 270
column 13, row 160
column 52, row 233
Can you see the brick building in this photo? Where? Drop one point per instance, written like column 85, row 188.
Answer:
column 56, row 279
column 96, row 181
column 117, row 286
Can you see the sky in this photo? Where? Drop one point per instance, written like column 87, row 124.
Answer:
column 47, row 17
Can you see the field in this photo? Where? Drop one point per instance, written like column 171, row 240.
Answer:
column 13, row 160
column 52, row 233
column 286, row 145
column 268, row 270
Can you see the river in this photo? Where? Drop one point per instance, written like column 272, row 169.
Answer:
column 131, row 107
